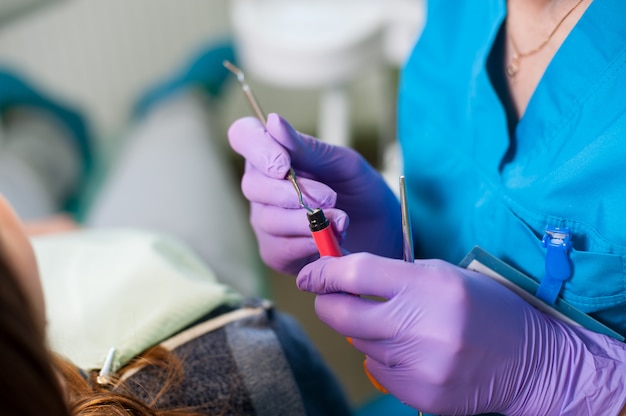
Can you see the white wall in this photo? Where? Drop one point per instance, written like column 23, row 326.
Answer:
column 101, row 55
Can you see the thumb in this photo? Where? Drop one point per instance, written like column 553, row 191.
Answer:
column 313, row 155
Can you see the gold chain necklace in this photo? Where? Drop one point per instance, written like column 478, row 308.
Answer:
column 512, row 67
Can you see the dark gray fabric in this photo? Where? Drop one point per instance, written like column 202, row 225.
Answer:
column 260, row 365
column 320, row 390
column 264, row 368
column 211, row 382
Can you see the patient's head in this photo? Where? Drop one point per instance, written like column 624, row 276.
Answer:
column 28, row 384
column 17, row 254
column 33, row 381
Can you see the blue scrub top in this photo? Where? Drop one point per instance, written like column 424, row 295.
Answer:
column 472, row 183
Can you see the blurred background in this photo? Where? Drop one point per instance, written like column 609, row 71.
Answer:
column 330, row 67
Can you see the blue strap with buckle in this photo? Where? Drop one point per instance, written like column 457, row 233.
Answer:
column 557, row 242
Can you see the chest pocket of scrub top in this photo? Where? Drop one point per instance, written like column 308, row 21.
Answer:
column 597, row 284
column 568, row 171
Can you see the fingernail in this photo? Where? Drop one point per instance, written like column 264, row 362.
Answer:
column 302, row 281
column 274, row 119
column 282, row 131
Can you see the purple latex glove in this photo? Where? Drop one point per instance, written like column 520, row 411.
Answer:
column 333, row 178
column 453, row 342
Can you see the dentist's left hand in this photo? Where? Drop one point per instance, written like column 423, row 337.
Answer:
column 454, row 342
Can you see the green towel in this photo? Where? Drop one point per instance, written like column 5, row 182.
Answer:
column 121, row 288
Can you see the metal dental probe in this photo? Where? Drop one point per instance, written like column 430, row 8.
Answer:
column 407, row 255
column 246, row 90
column 323, row 235
column 407, row 233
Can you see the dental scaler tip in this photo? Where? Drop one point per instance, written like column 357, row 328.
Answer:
column 246, row 90
column 292, row 177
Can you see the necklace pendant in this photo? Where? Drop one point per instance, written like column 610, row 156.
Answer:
column 513, row 67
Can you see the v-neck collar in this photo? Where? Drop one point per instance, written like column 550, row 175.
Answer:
column 584, row 59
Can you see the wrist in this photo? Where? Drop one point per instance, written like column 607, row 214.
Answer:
column 580, row 372
column 601, row 387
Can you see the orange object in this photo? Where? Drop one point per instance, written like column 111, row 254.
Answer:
column 373, row 380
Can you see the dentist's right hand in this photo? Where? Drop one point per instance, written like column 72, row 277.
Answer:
column 333, row 178
column 450, row 341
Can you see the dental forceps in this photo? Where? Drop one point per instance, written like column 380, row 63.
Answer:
column 319, row 225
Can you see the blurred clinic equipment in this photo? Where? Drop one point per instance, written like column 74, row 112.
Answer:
column 326, row 45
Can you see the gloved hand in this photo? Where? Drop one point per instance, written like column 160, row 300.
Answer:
column 453, row 342
column 333, row 178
